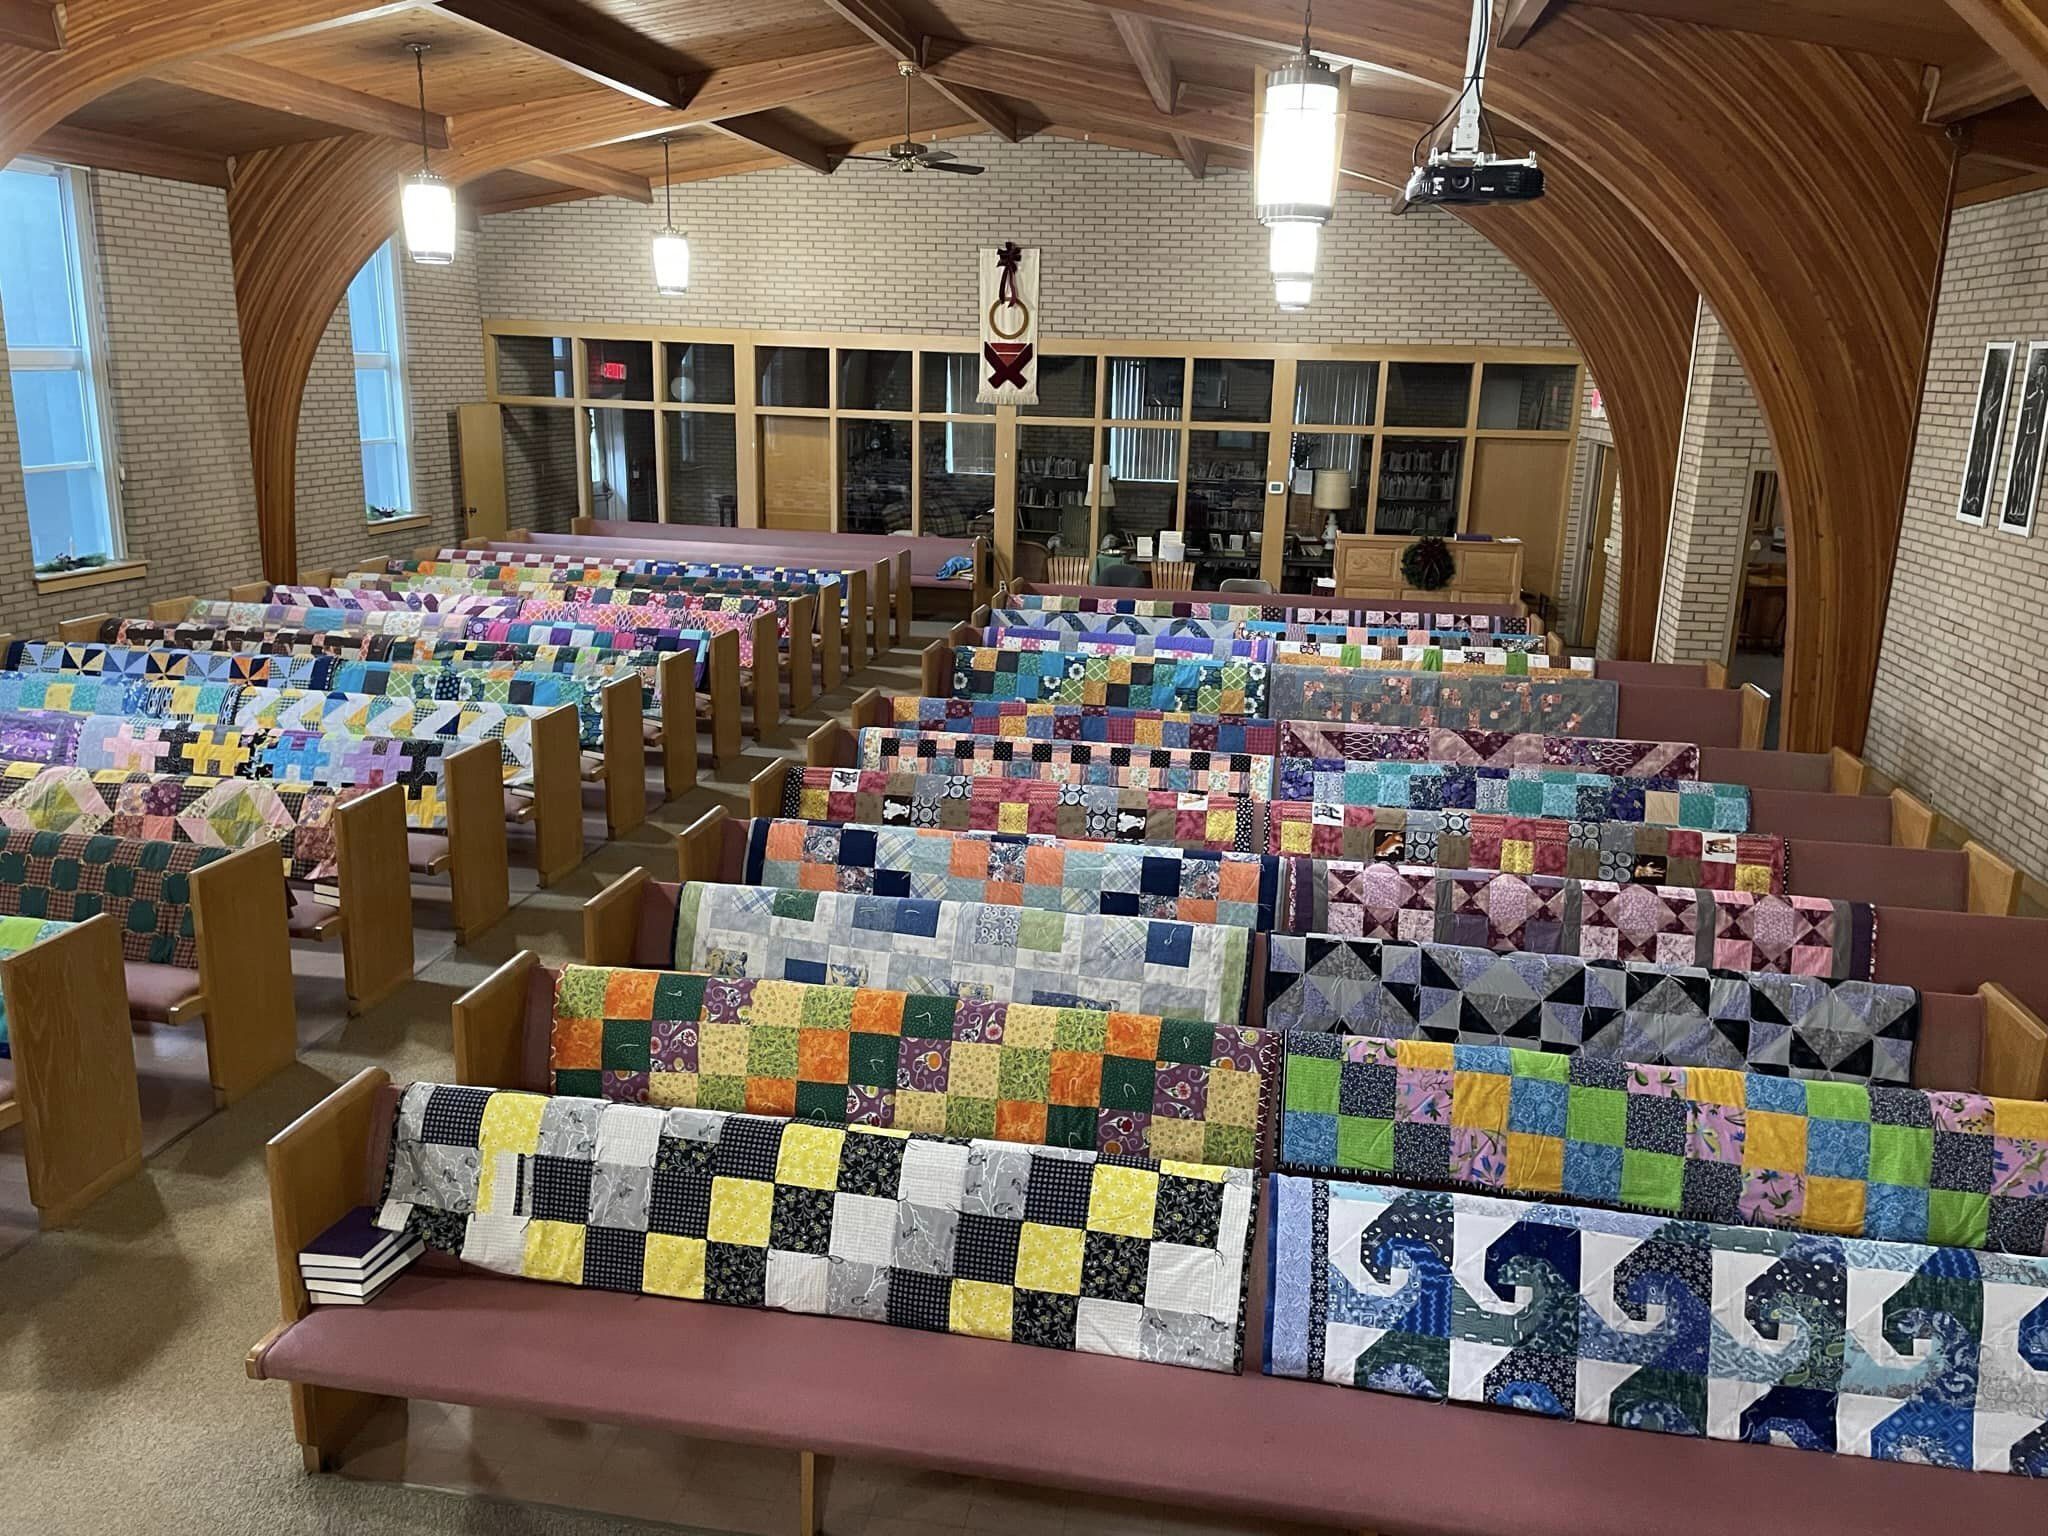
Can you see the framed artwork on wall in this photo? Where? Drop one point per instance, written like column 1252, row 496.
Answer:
column 1987, row 433
column 2030, row 436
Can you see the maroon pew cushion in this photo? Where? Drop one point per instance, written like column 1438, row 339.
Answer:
column 1920, row 877
column 1805, row 813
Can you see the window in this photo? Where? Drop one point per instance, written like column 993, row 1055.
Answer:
column 376, row 334
column 56, row 358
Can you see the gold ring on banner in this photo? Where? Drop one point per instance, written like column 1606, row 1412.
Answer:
column 1022, row 326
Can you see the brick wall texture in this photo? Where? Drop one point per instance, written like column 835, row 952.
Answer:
column 1957, row 713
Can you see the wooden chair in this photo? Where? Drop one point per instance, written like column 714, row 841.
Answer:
column 1173, row 575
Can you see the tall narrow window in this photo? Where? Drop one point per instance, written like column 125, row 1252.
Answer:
column 56, row 359
column 378, row 337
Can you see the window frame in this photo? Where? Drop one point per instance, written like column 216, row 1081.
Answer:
column 92, row 361
column 393, row 368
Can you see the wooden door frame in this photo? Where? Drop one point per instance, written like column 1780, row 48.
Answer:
column 1604, row 478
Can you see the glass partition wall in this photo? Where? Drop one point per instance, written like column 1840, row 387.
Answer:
column 1243, row 460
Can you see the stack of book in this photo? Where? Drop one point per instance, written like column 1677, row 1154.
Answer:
column 349, row 1263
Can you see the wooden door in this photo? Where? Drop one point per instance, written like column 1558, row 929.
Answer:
column 1595, row 527
column 482, row 442
column 796, row 473
column 1518, row 487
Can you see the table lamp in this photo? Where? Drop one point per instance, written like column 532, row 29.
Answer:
column 1332, row 495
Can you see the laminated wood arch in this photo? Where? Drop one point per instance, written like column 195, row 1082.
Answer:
column 1795, row 185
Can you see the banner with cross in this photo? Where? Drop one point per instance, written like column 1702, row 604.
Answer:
column 1009, row 325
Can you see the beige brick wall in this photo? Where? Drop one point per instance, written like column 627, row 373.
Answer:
column 1957, row 713
column 181, row 422
column 1724, row 443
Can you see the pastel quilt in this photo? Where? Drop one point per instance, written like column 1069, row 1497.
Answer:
column 1682, row 1016
column 1132, row 1258
column 1394, row 634
column 554, row 660
column 510, row 725
column 969, row 949
column 1092, row 812
column 1154, row 607
column 1574, row 706
column 617, row 634
column 1596, row 919
column 1203, row 687
column 138, row 664
column 1960, row 1170
column 1845, row 1346
column 145, row 887
column 1568, row 794
column 1618, row 757
column 355, row 599
column 79, row 693
column 1125, row 1084
column 446, row 682
column 1195, row 647
column 1474, row 660
column 904, row 750
column 934, row 864
column 1021, row 720
column 1625, row 852
column 18, row 933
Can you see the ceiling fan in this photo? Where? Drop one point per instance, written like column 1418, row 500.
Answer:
column 909, row 155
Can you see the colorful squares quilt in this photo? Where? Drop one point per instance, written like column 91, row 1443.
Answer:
column 1845, row 1346
column 1567, row 794
column 1625, row 852
column 1057, row 874
column 1124, row 1084
column 1111, row 643
column 1476, row 660
column 967, row 949
column 447, row 682
column 1093, row 812
column 1683, row 1016
column 1132, row 1258
column 139, row 664
column 900, row 749
column 39, row 736
column 349, row 714
column 1954, row 1169
column 1619, row 758
column 1024, row 720
column 1203, row 687
column 218, row 635
column 1405, row 618
column 1394, row 634
column 144, row 886
column 1063, row 621
column 18, row 933
column 1574, row 706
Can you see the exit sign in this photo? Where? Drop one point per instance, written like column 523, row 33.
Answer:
column 613, row 372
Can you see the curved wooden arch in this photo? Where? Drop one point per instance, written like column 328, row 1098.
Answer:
column 1798, row 189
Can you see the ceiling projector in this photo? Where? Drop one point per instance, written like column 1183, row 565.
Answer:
column 1484, row 179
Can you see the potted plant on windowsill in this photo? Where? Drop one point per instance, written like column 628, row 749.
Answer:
column 379, row 514
column 64, row 564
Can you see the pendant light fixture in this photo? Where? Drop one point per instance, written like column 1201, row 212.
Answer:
column 671, row 246
column 1292, row 293
column 429, row 204
column 1292, row 251
column 1300, row 111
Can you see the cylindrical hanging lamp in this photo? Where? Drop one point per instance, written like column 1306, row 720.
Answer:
column 671, row 246
column 428, row 205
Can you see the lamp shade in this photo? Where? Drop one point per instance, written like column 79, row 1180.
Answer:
column 1105, row 488
column 1292, row 293
column 1292, row 251
column 1300, row 126
column 429, row 209
column 1333, row 490
column 671, row 262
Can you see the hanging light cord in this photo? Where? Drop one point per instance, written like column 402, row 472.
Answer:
column 668, row 190
column 419, row 62
column 1308, row 12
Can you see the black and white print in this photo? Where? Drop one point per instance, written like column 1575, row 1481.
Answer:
column 1987, row 433
column 2023, row 480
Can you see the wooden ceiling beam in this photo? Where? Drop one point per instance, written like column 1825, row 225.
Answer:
column 2017, row 32
column 140, row 157
column 884, row 26
column 1521, row 17
column 1959, row 91
column 1993, row 191
column 1091, row 92
column 33, row 24
column 591, row 175
column 1193, row 154
column 1155, row 65
column 283, row 90
column 2015, row 136
column 780, row 140
column 581, row 42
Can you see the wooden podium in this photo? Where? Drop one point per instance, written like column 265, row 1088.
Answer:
column 1487, row 570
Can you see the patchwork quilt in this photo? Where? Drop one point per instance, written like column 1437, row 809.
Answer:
column 79, row 693
column 1066, row 621
column 709, row 617
column 1050, row 1246
column 1475, row 660
column 18, row 933
column 1087, row 722
column 510, row 725
column 1394, row 634
column 355, row 599
column 1625, row 852
column 1489, row 749
column 548, row 571
column 172, row 666
column 1100, row 643
column 1191, row 885
column 967, row 949
column 554, row 660
column 1204, row 687
column 1574, row 706
column 144, row 886
column 1597, row 919
column 447, row 682
column 215, row 813
column 1120, row 1083
column 1957, row 1169
column 1849, row 1346
column 1405, row 618
column 1809, row 1027
column 884, row 750
column 1565, row 793
column 219, row 635
column 1093, row 812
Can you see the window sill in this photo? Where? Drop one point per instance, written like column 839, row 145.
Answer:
column 95, row 576
column 395, row 524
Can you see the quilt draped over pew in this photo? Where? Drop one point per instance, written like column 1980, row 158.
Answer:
column 1618, row 756
column 1021, row 720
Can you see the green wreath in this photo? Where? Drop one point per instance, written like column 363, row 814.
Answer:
column 1427, row 565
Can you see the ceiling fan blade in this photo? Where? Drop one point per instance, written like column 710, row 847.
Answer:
column 936, row 154
column 878, row 159
column 956, row 167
